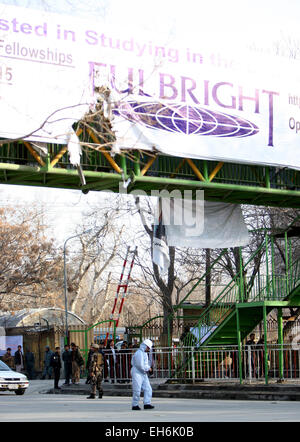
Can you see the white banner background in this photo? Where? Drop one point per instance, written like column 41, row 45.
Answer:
column 12, row 342
column 243, row 63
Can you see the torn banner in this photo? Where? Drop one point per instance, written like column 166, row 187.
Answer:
column 222, row 226
column 160, row 250
column 74, row 149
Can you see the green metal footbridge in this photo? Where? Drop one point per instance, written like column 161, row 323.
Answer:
column 21, row 164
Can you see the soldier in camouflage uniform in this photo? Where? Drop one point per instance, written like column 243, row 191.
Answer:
column 96, row 372
column 9, row 359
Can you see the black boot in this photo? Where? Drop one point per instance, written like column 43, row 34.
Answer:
column 148, row 407
column 91, row 396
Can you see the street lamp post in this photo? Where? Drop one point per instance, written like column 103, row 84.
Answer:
column 65, row 283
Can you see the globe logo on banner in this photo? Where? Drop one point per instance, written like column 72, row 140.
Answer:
column 185, row 119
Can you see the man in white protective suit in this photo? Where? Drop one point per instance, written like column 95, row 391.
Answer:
column 139, row 373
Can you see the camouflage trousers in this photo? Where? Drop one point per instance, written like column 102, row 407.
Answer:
column 96, row 383
column 75, row 373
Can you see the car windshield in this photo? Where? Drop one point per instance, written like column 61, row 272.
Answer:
column 4, row 367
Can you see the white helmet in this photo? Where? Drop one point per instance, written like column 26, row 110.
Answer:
column 148, row 343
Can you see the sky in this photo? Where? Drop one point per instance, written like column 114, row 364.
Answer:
column 64, row 208
column 256, row 16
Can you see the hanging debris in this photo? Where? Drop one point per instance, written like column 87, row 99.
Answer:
column 98, row 120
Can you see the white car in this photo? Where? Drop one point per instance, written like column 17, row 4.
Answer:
column 12, row 380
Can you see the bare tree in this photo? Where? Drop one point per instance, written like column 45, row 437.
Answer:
column 91, row 263
column 29, row 260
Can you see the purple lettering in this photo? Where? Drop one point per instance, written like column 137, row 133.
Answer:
column 26, row 28
column 232, row 105
column 41, row 30
column 91, row 37
column 271, row 117
column 189, row 90
column 206, row 92
column 256, row 99
column 141, row 82
column 128, row 45
column 15, row 23
column 4, row 25
column 163, row 85
column 103, row 40
column 129, row 82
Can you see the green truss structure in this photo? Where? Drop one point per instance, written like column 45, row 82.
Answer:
column 20, row 164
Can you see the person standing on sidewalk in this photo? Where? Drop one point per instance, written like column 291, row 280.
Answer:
column 90, row 354
column 77, row 362
column 56, row 365
column 47, row 359
column 67, row 359
column 96, row 372
column 113, row 362
column 139, row 374
column 19, row 359
column 9, row 359
column 29, row 363
column 251, row 356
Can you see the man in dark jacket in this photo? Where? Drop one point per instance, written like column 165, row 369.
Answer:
column 111, row 354
column 67, row 358
column 77, row 362
column 56, row 365
column 47, row 366
column 19, row 359
column 29, row 363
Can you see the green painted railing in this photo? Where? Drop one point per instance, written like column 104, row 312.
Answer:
column 264, row 288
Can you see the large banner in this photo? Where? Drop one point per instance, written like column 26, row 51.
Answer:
column 10, row 342
column 219, row 83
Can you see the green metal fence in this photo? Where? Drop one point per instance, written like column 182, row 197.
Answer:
column 84, row 337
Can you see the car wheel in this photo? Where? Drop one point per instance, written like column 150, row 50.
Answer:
column 20, row 392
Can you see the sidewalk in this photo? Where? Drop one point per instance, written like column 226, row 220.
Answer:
column 286, row 391
column 115, row 413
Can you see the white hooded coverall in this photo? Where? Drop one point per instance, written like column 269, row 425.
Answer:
column 140, row 380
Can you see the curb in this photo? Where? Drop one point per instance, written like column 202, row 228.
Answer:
column 273, row 392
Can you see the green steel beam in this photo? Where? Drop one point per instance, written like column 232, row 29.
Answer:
column 280, row 341
column 241, row 191
column 227, row 182
column 265, row 344
column 273, row 304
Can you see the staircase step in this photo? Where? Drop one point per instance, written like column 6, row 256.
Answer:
column 232, row 394
column 221, row 391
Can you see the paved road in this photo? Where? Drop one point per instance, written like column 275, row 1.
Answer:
column 37, row 407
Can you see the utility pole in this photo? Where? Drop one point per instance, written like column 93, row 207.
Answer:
column 65, row 284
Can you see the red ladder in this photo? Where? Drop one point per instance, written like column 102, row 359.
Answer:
column 123, row 286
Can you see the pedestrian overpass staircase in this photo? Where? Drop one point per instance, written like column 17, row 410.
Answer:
column 240, row 307
column 242, row 304
column 232, row 311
